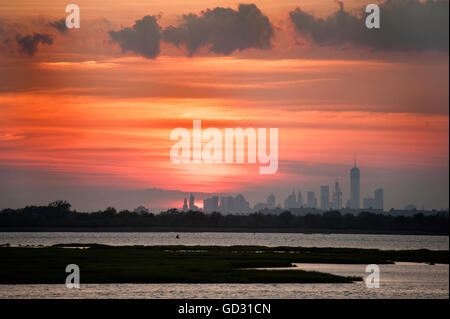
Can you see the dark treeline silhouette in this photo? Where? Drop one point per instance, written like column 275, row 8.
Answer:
column 59, row 214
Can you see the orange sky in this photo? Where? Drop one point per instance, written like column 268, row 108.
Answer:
column 83, row 113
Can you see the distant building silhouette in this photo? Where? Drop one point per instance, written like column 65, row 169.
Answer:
column 355, row 201
column 336, row 201
column 271, row 201
column 290, row 201
column 325, row 197
column 299, row 199
column 376, row 202
column 311, row 200
column 211, row 204
column 348, row 204
column 263, row 206
column 238, row 204
column 410, row 207
column 185, row 205
column 379, row 201
column 226, row 204
column 191, row 201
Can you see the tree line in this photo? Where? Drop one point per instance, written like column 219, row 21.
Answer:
column 59, row 214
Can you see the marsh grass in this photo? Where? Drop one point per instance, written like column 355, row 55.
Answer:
column 189, row 264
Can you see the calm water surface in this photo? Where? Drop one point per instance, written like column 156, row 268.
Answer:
column 402, row 280
column 226, row 239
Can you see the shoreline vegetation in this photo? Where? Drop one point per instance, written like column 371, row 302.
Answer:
column 57, row 216
column 191, row 264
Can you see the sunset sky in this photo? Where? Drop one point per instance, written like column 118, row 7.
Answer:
column 86, row 114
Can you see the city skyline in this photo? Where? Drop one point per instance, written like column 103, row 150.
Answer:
column 152, row 198
column 328, row 201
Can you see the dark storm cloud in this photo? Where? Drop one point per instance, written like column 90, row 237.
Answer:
column 405, row 25
column 143, row 38
column 59, row 25
column 28, row 44
column 339, row 28
column 13, row 43
column 224, row 30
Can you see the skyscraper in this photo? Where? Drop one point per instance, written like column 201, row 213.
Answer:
column 207, row 205
column 325, row 197
column 191, row 202
column 299, row 199
column 226, row 204
column 185, row 205
column 215, row 203
column 337, row 196
column 240, row 204
column 291, row 201
column 271, row 201
column 211, row 204
column 376, row 202
column 355, row 187
column 379, row 204
column 311, row 200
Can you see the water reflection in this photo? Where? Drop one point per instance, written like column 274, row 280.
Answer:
column 226, row 239
column 402, row 280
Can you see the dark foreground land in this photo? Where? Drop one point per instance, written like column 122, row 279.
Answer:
column 58, row 216
column 189, row 264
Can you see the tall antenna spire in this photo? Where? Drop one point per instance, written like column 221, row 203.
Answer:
column 355, row 160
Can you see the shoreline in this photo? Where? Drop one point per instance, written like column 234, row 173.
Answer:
column 131, row 229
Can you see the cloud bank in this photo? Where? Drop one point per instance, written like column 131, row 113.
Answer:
column 143, row 38
column 59, row 25
column 405, row 25
column 224, row 30
column 20, row 39
column 29, row 44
